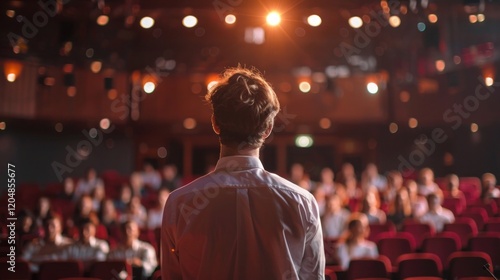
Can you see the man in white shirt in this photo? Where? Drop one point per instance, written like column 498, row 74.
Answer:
column 88, row 248
column 49, row 248
column 240, row 221
column 437, row 216
column 135, row 251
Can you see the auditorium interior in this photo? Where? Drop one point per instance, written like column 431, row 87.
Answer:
column 383, row 103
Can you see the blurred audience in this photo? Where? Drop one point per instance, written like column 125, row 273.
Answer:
column 371, row 177
column 327, row 183
column 437, row 216
column 400, row 208
column 453, row 191
column 418, row 203
column 170, row 179
column 124, row 198
column 135, row 212
column 68, row 190
column 42, row 211
column 136, row 252
column 347, row 177
column 155, row 215
column 98, row 196
column 150, row 176
column 488, row 188
column 354, row 244
column 426, row 184
column 87, row 184
column 334, row 220
column 371, row 207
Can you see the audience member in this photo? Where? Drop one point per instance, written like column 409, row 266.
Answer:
column 355, row 245
column 347, row 177
column 48, row 248
column 371, row 207
column 437, row 216
column 68, row 190
column 488, row 188
column 170, row 180
column 135, row 212
column 453, row 191
column 371, row 177
column 426, row 184
column 109, row 218
column 88, row 183
column 327, row 183
column 124, row 198
column 418, row 203
column 150, row 176
column 42, row 211
column 84, row 211
column 135, row 252
column 88, row 248
column 98, row 196
column 334, row 221
column 299, row 177
column 155, row 215
column 400, row 208
column 320, row 197
column 137, row 184
column 394, row 184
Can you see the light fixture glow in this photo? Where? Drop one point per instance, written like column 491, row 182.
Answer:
column 472, row 18
column 304, row 141
column 273, row 18
column 95, row 66
column 147, row 22
column 102, row 20
column 3, row 125
column 488, row 81
column 305, row 87
column 474, row 127
column 432, row 18
column 325, row 123
column 393, row 128
column 149, row 87
column 314, row 20
column 11, row 77
column 372, row 88
column 189, row 123
column 480, row 17
column 394, row 21
column 355, row 22
column 104, row 123
column 440, row 65
column 189, row 21
column 230, row 19
column 412, row 123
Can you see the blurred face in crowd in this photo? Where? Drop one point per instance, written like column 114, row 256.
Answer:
column 91, row 174
column 327, row 175
column 297, row 172
column 125, row 194
column 489, row 181
column 69, row 186
column 348, row 170
column 434, row 202
column 88, row 230
column 52, row 229
column 44, row 205
column 334, row 204
column 86, row 205
column 426, row 176
column 169, row 172
column 131, row 230
column 453, row 182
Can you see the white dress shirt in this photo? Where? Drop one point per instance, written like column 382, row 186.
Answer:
column 141, row 250
column 241, row 222
column 345, row 253
column 95, row 250
column 438, row 219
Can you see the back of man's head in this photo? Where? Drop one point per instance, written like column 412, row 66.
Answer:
column 244, row 106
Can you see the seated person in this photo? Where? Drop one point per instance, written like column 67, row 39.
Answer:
column 155, row 215
column 400, row 208
column 88, row 183
column 354, row 244
column 452, row 184
column 135, row 212
column 134, row 251
column 335, row 219
column 418, row 203
column 437, row 216
column 87, row 248
column 49, row 248
column 371, row 207
column 489, row 189
column 426, row 184
column 170, row 180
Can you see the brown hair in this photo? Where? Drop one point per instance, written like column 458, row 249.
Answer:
column 244, row 106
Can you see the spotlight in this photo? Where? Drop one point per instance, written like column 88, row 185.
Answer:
column 440, row 65
column 305, row 87
column 472, row 18
column 474, row 127
column 149, row 87
column 432, row 18
column 147, row 22
column 304, row 141
column 488, row 81
column 355, row 22
column 189, row 21
column 394, row 21
column 372, row 88
column 273, row 18
column 393, row 128
column 314, row 20
column 102, row 20
column 480, row 17
column 230, row 19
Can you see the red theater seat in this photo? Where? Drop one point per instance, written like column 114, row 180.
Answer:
column 51, row 270
column 419, row 265
column 369, row 268
column 468, row 264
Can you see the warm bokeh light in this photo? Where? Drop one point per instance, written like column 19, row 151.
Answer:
column 11, row 77
column 189, row 21
column 273, row 18
column 480, row 17
column 3, row 125
column 71, row 91
column 372, row 88
column 472, row 18
column 325, row 123
column 474, row 127
column 102, row 20
column 488, row 81
column 305, row 87
column 12, row 69
column 394, row 21
column 404, row 96
column 412, row 123
column 189, row 123
column 10, row 13
column 112, row 94
column 162, row 152
column 59, row 127
column 147, row 22
column 95, row 66
column 230, row 19
column 440, row 65
column 393, row 128
column 304, row 141
column 432, row 18
column 104, row 123
column 149, row 87
column 314, row 20
column 355, row 22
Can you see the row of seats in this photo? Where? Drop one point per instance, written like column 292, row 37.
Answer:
column 461, row 265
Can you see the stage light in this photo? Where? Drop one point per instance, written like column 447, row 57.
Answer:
column 11, row 77
column 273, row 18
column 421, row 26
column 393, row 128
column 3, row 125
column 372, row 88
column 472, row 18
column 474, row 127
column 102, row 20
column 230, row 19
column 305, row 87
column 12, row 69
column 355, row 22
column 95, row 66
column 412, row 123
column 10, row 13
column 304, row 141
column 104, row 123
column 440, row 65
column 147, row 22
column 480, row 17
column 314, row 20
column 149, row 87
column 488, row 81
column 325, row 123
column 432, row 18
column 189, row 21
column 394, row 21
column 189, row 123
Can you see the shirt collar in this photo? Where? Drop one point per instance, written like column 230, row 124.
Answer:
column 236, row 163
